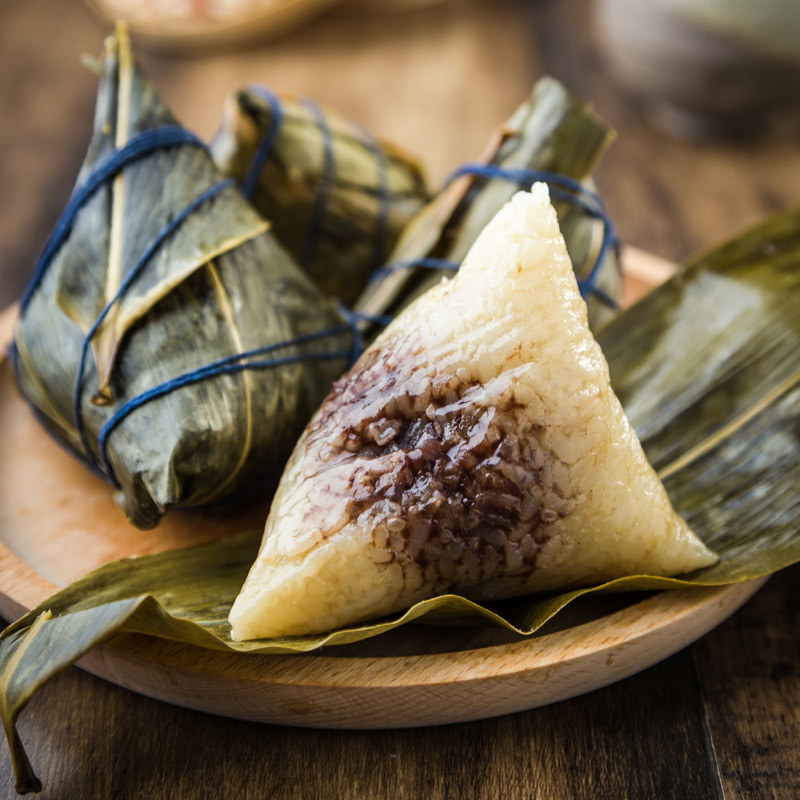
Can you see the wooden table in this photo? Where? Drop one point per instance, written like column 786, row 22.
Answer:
column 720, row 719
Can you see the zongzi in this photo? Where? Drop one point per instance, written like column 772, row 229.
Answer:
column 337, row 197
column 166, row 336
column 475, row 448
column 553, row 134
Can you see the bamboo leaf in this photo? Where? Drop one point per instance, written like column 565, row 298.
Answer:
column 708, row 367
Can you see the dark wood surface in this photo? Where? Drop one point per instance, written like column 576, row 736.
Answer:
column 720, row 719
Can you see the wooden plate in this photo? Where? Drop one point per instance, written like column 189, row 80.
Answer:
column 57, row 522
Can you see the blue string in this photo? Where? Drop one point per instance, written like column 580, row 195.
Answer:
column 521, row 175
column 353, row 318
column 384, row 196
column 138, row 146
column 224, row 366
column 267, row 143
column 562, row 187
column 325, row 185
column 576, row 193
column 424, row 263
column 143, row 259
column 587, row 285
column 604, row 297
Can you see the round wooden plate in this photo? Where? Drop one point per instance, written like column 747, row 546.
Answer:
column 57, row 522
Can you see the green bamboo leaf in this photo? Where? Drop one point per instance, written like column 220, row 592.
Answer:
column 708, row 367
column 217, row 286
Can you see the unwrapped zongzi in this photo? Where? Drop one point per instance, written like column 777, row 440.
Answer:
column 475, row 448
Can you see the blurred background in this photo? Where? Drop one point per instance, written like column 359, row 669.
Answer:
column 704, row 93
column 704, row 96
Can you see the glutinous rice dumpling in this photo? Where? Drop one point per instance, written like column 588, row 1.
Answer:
column 166, row 337
column 338, row 198
column 475, row 448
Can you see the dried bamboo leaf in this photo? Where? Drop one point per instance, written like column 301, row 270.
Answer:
column 218, row 286
column 551, row 131
column 716, row 407
column 337, row 198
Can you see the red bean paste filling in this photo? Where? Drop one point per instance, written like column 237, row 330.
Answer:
column 466, row 475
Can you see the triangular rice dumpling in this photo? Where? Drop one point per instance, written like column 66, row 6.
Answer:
column 337, row 198
column 168, row 339
column 476, row 448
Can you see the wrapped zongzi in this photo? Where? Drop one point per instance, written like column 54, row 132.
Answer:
column 475, row 448
column 337, row 197
column 166, row 337
column 552, row 136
